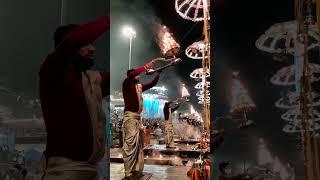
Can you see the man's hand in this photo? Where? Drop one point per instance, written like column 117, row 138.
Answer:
column 150, row 64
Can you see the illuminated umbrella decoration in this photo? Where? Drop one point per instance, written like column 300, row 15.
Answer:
column 286, row 75
column 190, row 9
column 295, row 115
column 197, row 50
column 200, row 85
column 292, row 101
column 201, row 98
column 295, row 127
column 199, row 73
column 202, row 102
column 282, row 37
column 201, row 93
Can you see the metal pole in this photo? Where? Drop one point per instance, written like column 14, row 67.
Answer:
column 130, row 52
column 63, row 13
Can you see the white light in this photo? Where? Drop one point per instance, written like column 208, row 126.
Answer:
column 129, row 32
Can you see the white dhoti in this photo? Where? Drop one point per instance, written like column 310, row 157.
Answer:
column 60, row 168
column 133, row 137
column 169, row 131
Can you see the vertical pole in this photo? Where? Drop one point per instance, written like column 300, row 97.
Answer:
column 206, row 63
column 305, row 109
column 130, row 51
column 63, row 13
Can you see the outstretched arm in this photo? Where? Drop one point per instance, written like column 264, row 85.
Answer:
column 80, row 36
column 151, row 84
column 140, row 69
column 136, row 72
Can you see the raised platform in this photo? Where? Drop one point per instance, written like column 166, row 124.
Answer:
column 158, row 172
column 160, row 155
column 182, row 151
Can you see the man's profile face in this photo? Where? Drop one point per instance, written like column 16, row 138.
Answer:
column 88, row 53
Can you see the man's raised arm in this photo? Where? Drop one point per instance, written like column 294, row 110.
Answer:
column 78, row 37
column 137, row 71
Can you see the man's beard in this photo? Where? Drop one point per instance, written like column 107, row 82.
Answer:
column 136, row 81
column 83, row 63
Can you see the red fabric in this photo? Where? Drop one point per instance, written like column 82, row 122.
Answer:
column 65, row 112
column 129, row 89
column 195, row 173
column 147, row 136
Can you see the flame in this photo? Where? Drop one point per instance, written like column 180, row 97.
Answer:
column 184, row 91
column 167, row 42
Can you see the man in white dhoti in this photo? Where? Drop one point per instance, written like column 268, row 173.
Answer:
column 133, row 130
column 169, row 108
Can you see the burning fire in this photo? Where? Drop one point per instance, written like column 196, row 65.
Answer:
column 169, row 47
column 184, row 91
